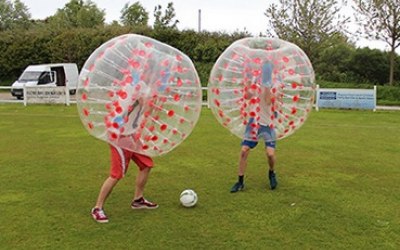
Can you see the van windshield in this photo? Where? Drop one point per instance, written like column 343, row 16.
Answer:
column 30, row 76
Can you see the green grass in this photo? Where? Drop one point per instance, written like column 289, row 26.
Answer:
column 338, row 187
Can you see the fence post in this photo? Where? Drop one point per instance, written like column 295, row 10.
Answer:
column 67, row 96
column 24, row 95
column 317, row 98
column 374, row 98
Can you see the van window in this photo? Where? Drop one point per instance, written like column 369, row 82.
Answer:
column 46, row 77
column 29, row 76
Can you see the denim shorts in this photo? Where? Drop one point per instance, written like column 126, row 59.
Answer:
column 264, row 133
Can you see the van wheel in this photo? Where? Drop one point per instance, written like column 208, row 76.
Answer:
column 72, row 92
column 20, row 97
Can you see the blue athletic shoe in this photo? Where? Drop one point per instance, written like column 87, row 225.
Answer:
column 272, row 180
column 237, row 187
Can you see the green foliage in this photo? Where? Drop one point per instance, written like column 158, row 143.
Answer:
column 166, row 19
column 51, row 42
column 380, row 20
column 21, row 48
column 338, row 179
column 374, row 66
column 313, row 25
column 78, row 14
column 334, row 62
column 134, row 14
column 13, row 14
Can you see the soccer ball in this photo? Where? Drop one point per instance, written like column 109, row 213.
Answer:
column 188, row 198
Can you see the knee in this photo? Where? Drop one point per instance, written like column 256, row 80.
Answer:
column 270, row 155
column 244, row 153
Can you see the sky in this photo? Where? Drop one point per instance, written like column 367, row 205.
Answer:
column 216, row 15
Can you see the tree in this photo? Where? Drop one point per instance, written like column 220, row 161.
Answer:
column 165, row 20
column 134, row 14
column 313, row 25
column 78, row 13
column 13, row 14
column 380, row 20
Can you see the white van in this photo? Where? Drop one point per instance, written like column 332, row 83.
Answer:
column 59, row 74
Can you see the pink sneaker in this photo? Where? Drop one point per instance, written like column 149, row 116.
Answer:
column 142, row 203
column 99, row 215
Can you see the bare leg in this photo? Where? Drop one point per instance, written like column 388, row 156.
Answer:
column 270, row 153
column 141, row 180
column 105, row 191
column 243, row 160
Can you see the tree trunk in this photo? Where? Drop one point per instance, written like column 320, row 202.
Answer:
column 392, row 62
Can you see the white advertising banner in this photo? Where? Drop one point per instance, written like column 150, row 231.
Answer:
column 346, row 98
column 46, row 95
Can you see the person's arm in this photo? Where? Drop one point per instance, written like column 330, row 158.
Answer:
column 266, row 95
column 248, row 91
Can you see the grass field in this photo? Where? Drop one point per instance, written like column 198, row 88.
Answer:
column 338, row 187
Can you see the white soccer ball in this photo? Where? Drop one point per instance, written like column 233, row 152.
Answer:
column 188, row 198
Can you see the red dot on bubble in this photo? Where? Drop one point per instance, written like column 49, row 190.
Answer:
column 122, row 94
column 285, row 59
column 84, row 97
column 86, row 112
column 90, row 125
column 177, row 97
column 145, row 147
column 136, row 136
column 142, row 53
column 128, row 79
column 163, row 127
column 113, row 136
column 115, row 125
column 171, row 113
column 119, row 110
column 257, row 60
column 134, row 64
column 179, row 82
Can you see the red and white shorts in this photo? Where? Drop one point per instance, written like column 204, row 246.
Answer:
column 120, row 159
